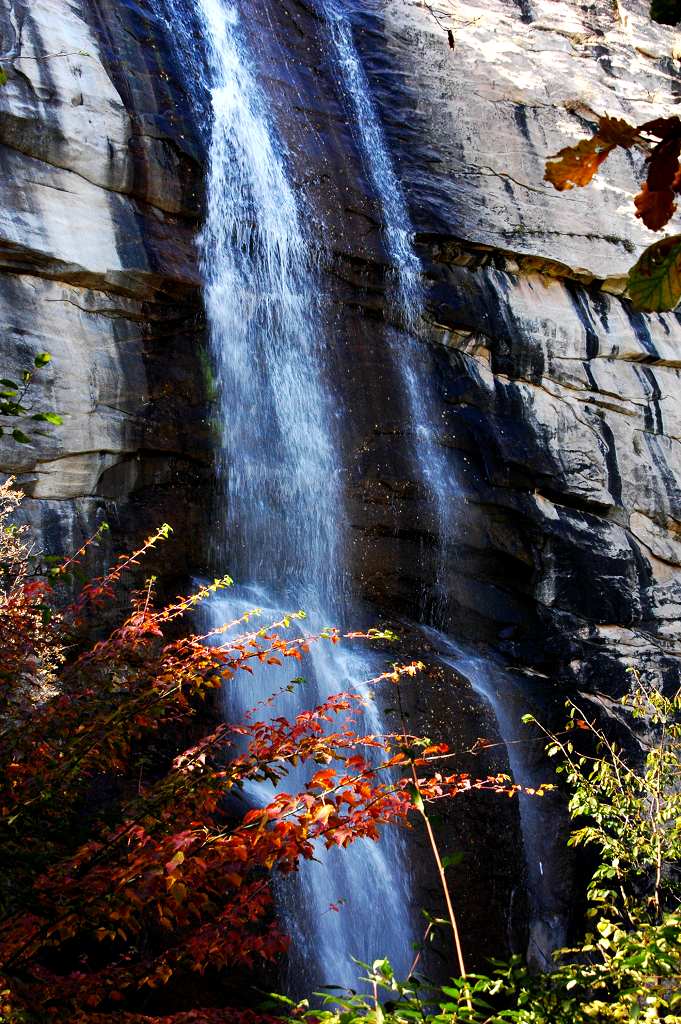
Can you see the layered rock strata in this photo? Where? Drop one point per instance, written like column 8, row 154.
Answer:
column 99, row 202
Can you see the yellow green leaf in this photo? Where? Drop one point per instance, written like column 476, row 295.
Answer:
column 654, row 283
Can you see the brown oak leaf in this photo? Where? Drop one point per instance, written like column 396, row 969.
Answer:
column 576, row 165
column 617, row 131
column 654, row 207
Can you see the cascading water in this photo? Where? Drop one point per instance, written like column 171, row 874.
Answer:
column 542, row 848
column 543, row 843
column 405, row 289
column 281, row 530
column 280, row 526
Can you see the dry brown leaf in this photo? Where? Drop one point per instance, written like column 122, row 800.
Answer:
column 662, row 127
column 576, row 165
column 654, row 207
column 617, row 132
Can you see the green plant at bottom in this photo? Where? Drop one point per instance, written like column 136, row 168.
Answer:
column 628, row 966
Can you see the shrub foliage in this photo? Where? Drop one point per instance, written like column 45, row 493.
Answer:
column 128, row 864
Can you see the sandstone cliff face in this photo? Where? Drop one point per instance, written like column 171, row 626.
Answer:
column 99, row 200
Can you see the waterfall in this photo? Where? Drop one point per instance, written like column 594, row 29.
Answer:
column 279, row 524
column 543, row 844
column 280, row 528
column 542, row 847
column 405, row 291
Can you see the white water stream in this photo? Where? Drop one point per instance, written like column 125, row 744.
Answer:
column 544, row 845
column 502, row 693
column 282, row 524
column 280, row 527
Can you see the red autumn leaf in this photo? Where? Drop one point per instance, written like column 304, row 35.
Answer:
column 663, row 164
column 323, row 813
column 174, row 862
column 110, row 879
column 662, row 127
column 325, row 779
column 436, row 748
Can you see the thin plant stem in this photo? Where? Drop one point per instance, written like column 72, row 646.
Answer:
column 439, row 865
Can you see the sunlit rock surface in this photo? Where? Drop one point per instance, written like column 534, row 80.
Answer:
column 99, row 200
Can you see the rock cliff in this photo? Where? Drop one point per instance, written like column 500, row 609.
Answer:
column 555, row 404
column 99, row 200
column 563, row 397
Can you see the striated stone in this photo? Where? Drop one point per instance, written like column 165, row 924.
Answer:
column 99, row 198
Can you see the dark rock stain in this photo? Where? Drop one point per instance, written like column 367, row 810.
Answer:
column 614, row 478
column 653, row 392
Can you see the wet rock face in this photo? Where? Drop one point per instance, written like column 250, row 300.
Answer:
column 557, row 401
column 554, row 402
column 559, row 406
column 100, row 194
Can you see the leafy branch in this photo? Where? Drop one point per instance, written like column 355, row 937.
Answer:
column 14, row 404
column 654, row 282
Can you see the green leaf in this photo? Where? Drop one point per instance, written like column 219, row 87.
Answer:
column 452, row 860
column 416, row 798
column 9, row 383
column 48, row 417
column 42, row 359
column 20, row 436
column 3, row 77
column 654, row 283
